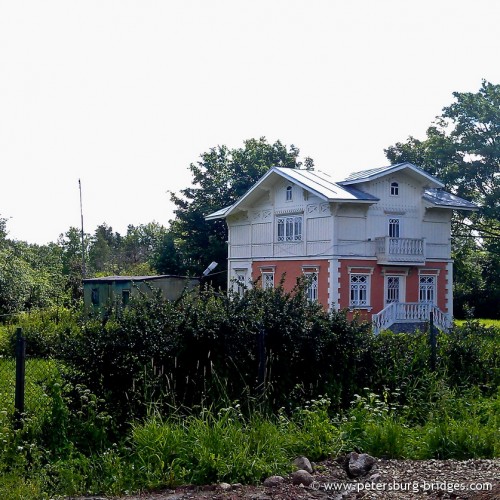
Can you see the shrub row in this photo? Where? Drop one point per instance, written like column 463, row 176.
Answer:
column 268, row 348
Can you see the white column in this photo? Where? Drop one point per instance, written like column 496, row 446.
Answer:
column 449, row 289
column 333, row 284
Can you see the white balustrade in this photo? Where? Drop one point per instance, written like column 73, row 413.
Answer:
column 409, row 312
column 400, row 249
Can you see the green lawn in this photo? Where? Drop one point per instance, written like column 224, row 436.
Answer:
column 485, row 322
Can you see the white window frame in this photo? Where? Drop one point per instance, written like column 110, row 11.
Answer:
column 289, row 193
column 394, row 188
column 289, row 228
column 312, row 285
column 359, row 290
column 240, row 281
column 394, row 227
column 267, row 279
column 392, row 293
column 427, row 286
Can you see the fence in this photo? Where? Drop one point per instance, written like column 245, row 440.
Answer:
column 24, row 384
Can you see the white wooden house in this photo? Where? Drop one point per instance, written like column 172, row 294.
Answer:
column 377, row 242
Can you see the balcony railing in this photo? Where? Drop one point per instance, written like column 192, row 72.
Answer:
column 391, row 250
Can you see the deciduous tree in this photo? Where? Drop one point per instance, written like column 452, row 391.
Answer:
column 462, row 148
column 219, row 178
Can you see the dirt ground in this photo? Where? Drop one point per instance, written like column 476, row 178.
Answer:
column 391, row 479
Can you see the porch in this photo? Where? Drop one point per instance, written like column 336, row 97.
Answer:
column 411, row 314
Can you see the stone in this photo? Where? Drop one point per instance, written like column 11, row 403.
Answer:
column 224, row 486
column 359, row 464
column 302, row 463
column 302, row 477
column 273, row 481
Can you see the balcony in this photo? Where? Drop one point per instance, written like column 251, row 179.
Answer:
column 400, row 251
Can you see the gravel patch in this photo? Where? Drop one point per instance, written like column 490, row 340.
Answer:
column 391, row 479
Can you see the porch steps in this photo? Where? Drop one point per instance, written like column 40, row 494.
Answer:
column 409, row 316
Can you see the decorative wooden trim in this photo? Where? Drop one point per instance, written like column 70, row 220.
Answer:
column 429, row 271
column 360, row 270
column 396, row 271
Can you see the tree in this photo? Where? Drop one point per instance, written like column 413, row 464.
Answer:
column 220, row 177
column 462, row 148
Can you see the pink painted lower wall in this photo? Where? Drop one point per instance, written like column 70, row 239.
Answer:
column 292, row 269
column 295, row 268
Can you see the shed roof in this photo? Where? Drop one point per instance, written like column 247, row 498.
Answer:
column 114, row 279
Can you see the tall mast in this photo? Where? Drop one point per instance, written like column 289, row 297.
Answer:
column 82, row 233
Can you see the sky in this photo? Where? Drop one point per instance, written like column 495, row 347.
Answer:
column 124, row 95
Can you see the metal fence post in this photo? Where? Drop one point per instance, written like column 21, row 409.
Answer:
column 432, row 340
column 262, row 359
column 20, row 378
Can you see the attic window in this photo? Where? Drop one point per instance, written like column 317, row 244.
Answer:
column 394, row 189
column 289, row 193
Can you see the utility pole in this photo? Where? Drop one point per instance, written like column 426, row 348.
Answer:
column 83, row 237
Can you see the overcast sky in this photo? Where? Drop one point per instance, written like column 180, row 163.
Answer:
column 126, row 94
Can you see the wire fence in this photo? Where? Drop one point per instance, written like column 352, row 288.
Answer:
column 25, row 385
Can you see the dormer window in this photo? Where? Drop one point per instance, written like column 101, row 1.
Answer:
column 288, row 193
column 394, row 189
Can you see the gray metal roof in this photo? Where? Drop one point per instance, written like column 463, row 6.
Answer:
column 219, row 214
column 314, row 181
column 442, row 198
column 112, row 279
column 324, row 185
column 374, row 173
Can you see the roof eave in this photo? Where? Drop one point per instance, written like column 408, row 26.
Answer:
column 431, row 204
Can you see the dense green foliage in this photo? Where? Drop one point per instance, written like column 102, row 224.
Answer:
column 143, row 400
column 462, row 148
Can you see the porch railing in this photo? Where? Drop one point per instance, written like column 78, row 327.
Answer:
column 401, row 312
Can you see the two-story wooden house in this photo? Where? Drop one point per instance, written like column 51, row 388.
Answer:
column 378, row 242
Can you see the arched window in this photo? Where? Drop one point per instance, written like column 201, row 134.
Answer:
column 394, row 189
column 289, row 193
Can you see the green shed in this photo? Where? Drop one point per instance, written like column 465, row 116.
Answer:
column 99, row 294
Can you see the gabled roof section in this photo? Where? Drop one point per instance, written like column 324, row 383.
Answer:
column 375, row 173
column 316, row 182
column 440, row 198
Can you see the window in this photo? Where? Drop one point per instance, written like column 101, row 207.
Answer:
column 312, row 286
column 394, row 226
column 125, row 297
column 290, row 228
column 427, row 290
column 359, row 290
column 394, row 189
column 95, row 296
column 288, row 193
column 392, row 289
column 241, row 281
column 267, row 280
